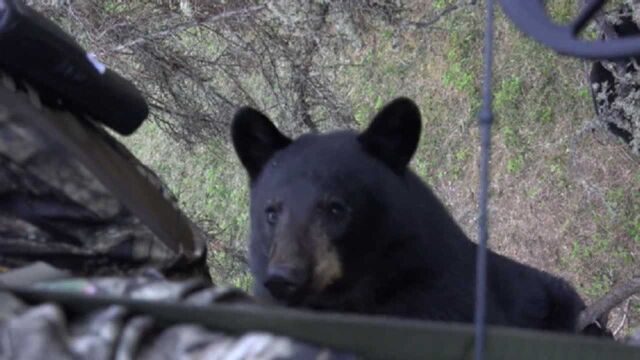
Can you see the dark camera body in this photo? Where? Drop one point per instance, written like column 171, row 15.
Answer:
column 35, row 50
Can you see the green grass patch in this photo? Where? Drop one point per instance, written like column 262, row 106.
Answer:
column 463, row 63
column 599, row 286
column 615, row 197
column 511, row 137
column 544, row 114
column 442, row 4
column 598, row 245
column 460, row 78
column 562, row 11
column 533, row 192
column 508, row 95
column 634, row 229
column 515, row 164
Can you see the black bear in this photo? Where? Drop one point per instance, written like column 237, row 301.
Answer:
column 339, row 222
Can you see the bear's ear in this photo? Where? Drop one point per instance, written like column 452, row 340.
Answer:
column 255, row 139
column 393, row 135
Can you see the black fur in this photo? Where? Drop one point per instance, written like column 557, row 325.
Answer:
column 401, row 252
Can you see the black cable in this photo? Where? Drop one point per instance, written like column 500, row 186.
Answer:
column 484, row 121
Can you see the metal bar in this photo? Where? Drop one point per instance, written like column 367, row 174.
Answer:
column 485, row 120
column 586, row 13
column 370, row 337
column 531, row 17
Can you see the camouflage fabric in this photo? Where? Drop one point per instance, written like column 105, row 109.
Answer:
column 55, row 210
column 52, row 208
column 111, row 333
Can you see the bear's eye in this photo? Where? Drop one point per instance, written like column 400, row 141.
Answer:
column 272, row 215
column 337, row 208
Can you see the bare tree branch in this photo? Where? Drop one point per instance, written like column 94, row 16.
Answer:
column 184, row 26
column 443, row 13
column 604, row 305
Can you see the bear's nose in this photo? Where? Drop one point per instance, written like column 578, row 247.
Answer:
column 284, row 282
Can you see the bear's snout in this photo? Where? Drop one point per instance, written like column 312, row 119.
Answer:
column 284, row 283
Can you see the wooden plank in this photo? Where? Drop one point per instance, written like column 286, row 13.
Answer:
column 371, row 337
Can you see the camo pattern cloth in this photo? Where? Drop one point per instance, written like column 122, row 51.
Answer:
column 30, row 332
column 53, row 209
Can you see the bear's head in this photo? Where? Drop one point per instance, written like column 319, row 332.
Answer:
column 325, row 207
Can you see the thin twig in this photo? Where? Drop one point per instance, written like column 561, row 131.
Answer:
column 184, row 26
column 446, row 11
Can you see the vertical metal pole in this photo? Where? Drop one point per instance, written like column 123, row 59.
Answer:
column 485, row 120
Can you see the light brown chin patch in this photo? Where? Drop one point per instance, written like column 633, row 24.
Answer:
column 328, row 267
